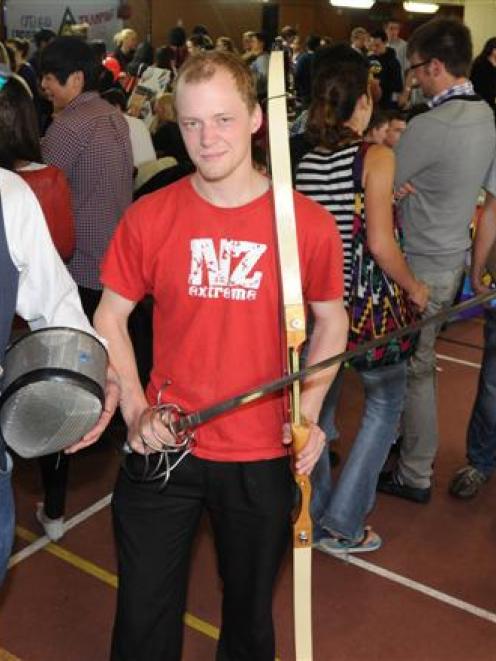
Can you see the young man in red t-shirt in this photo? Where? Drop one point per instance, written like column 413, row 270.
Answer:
column 204, row 248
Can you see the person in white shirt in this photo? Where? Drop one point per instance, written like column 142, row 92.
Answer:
column 36, row 286
column 141, row 140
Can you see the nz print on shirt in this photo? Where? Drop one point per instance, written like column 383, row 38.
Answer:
column 227, row 271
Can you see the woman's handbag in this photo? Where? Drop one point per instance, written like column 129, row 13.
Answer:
column 376, row 304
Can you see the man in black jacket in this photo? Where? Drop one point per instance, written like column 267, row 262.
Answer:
column 386, row 68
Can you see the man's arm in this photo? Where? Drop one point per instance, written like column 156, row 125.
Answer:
column 485, row 236
column 397, row 76
column 418, row 148
column 61, row 146
column 110, row 320
column 329, row 338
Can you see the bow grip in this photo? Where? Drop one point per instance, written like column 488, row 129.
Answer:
column 302, row 526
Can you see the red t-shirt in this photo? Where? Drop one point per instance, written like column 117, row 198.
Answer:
column 213, row 275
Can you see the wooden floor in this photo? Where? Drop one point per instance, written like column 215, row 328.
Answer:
column 428, row 595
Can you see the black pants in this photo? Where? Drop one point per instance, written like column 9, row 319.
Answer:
column 249, row 505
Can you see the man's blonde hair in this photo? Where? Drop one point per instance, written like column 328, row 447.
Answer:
column 203, row 66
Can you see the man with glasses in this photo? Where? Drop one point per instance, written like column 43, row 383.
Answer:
column 442, row 159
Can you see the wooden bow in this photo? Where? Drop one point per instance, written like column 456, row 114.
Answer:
column 294, row 320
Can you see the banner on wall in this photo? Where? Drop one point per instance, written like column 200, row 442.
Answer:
column 24, row 17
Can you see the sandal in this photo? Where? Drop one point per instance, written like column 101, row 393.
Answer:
column 340, row 546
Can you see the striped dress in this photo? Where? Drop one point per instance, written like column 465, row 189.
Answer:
column 327, row 178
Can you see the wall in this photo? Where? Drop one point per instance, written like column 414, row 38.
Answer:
column 222, row 17
column 232, row 17
column 480, row 16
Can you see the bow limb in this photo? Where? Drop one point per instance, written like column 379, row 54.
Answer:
column 294, row 321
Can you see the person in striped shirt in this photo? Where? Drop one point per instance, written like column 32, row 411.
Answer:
column 338, row 117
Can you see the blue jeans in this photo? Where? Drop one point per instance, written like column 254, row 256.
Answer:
column 341, row 509
column 6, row 510
column 481, row 435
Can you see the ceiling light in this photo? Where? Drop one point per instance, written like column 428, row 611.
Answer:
column 421, row 7
column 353, row 4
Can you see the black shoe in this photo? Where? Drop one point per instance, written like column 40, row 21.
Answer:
column 388, row 483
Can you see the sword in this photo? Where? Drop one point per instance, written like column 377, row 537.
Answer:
column 185, row 422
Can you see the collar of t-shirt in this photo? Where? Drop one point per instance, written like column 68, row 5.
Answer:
column 463, row 89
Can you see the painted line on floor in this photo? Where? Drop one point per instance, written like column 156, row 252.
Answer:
column 86, row 566
column 72, row 559
column 422, row 588
column 459, row 361
column 90, row 568
column 38, row 543
column 7, row 656
column 107, row 577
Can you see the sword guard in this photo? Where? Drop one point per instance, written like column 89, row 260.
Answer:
column 171, row 415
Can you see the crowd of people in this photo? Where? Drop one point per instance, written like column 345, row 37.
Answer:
column 392, row 142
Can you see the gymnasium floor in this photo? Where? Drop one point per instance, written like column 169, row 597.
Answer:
column 428, row 595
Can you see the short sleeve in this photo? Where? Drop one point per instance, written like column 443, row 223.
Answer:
column 122, row 265
column 490, row 180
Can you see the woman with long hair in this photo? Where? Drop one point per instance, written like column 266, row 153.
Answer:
column 353, row 179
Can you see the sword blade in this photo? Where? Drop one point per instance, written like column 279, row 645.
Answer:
column 196, row 418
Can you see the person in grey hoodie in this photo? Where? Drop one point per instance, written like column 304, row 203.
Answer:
column 442, row 161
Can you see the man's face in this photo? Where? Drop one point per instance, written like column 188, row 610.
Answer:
column 393, row 31
column 360, row 40
column 246, row 38
column 256, row 46
column 396, row 128
column 216, row 126
column 423, row 75
column 296, row 44
column 61, row 95
column 378, row 46
column 378, row 135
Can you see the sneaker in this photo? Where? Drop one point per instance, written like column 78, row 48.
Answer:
column 390, row 484
column 339, row 546
column 467, row 482
column 54, row 528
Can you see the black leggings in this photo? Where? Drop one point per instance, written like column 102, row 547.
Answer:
column 55, row 467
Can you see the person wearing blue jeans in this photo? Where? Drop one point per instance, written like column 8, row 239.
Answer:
column 481, row 434
column 340, row 509
column 354, row 181
column 6, row 510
